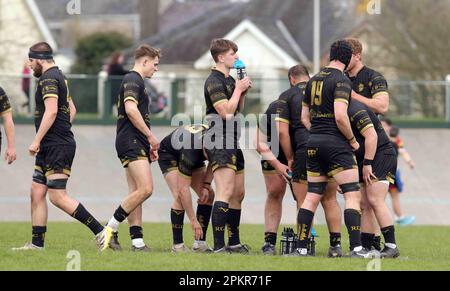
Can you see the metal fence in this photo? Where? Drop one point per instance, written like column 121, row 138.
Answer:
column 420, row 100
column 95, row 97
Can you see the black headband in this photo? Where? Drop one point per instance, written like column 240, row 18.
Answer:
column 40, row 55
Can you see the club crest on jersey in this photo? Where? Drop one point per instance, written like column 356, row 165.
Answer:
column 361, row 87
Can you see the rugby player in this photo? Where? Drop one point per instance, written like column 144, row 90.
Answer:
column 136, row 147
column 377, row 163
column 370, row 88
column 54, row 148
column 397, row 188
column 182, row 162
column 8, row 124
column 275, row 169
column 225, row 97
column 292, row 139
column 330, row 147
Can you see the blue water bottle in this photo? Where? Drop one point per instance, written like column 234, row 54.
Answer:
column 240, row 68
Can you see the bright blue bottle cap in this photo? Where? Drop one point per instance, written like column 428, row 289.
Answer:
column 239, row 64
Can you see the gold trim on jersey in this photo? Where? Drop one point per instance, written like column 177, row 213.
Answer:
column 366, row 128
column 185, row 176
column 341, row 100
column 335, row 171
column 132, row 99
column 220, row 102
column 380, row 93
column 282, row 120
column 230, row 166
column 50, row 96
column 313, row 174
column 171, row 169
column 126, row 162
column 6, row 111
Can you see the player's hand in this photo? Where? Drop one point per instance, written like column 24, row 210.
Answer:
column 154, row 142
column 283, row 170
column 243, row 85
column 355, row 146
column 204, row 197
column 208, row 192
column 197, row 230
column 34, row 148
column 368, row 175
column 10, row 155
column 290, row 164
column 154, row 155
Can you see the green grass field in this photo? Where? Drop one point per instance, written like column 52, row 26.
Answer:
column 422, row 248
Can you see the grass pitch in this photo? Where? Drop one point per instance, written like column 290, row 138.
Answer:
column 421, row 247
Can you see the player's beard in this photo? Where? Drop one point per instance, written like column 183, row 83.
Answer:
column 37, row 71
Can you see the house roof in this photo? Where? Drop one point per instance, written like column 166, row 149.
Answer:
column 284, row 59
column 183, row 12
column 41, row 24
column 55, row 10
column 338, row 19
column 185, row 43
column 176, row 14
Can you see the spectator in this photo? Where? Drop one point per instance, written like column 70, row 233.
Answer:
column 115, row 72
column 26, row 79
column 397, row 187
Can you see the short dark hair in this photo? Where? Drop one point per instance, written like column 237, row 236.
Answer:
column 298, row 71
column 114, row 59
column 395, row 131
column 387, row 120
column 220, row 46
column 42, row 47
column 341, row 51
column 147, row 51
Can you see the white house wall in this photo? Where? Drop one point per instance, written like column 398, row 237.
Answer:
column 18, row 31
column 264, row 60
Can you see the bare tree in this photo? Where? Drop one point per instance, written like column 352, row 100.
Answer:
column 416, row 39
column 417, row 34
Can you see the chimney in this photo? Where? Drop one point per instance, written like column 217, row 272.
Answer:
column 149, row 14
